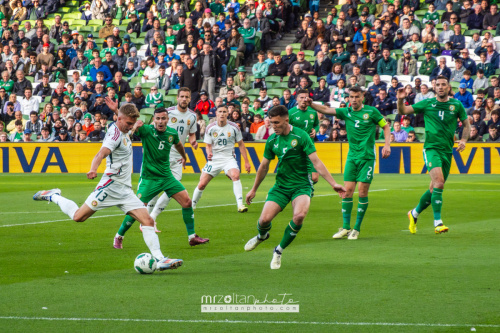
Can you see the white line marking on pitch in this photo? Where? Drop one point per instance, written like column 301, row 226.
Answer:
column 170, row 210
column 251, row 322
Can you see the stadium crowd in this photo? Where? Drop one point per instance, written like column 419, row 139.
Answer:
column 60, row 59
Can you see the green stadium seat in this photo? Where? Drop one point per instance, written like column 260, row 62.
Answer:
column 308, row 53
column 273, row 78
column 275, row 92
column 253, row 91
column 391, row 116
column 486, row 137
column 149, row 111
column 419, row 129
column 147, row 85
column 173, row 92
column 169, row 100
column 146, row 118
column 420, row 137
column 281, row 85
column 286, row 78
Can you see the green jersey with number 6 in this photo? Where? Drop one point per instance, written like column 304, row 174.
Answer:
column 305, row 120
column 440, row 122
column 293, row 152
column 361, row 126
column 156, row 151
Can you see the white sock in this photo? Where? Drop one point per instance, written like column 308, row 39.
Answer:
column 197, row 194
column 160, row 206
column 437, row 222
column 191, row 236
column 414, row 213
column 279, row 249
column 152, row 203
column 238, row 192
column 118, row 235
column 67, row 206
column 152, row 241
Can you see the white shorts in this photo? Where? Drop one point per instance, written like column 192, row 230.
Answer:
column 176, row 168
column 109, row 194
column 214, row 167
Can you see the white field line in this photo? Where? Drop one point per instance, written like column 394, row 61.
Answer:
column 170, row 210
column 256, row 322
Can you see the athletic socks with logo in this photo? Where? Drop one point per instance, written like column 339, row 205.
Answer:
column 290, row 233
column 67, row 206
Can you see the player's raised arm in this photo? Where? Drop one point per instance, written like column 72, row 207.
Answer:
column 244, row 154
column 102, row 154
column 180, row 148
column 465, row 135
column 323, row 171
column 402, row 108
column 261, row 174
column 321, row 108
column 138, row 123
column 113, row 106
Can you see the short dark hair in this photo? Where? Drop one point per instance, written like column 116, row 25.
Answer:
column 160, row 110
column 36, row 113
column 442, row 77
column 495, row 112
column 278, row 111
column 183, row 89
column 302, row 91
column 356, row 89
column 492, row 126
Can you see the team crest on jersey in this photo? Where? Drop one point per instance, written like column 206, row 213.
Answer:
column 189, row 122
column 228, row 134
column 174, row 120
column 366, row 116
column 452, row 108
column 311, row 116
column 430, row 164
column 124, row 141
column 215, row 134
column 139, row 195
column 170, row 138
column 294, row 142
column 94, row 203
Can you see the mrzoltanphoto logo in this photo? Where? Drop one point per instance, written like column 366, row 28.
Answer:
column 248, row 303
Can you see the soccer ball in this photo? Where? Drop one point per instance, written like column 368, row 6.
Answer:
column 145, row 263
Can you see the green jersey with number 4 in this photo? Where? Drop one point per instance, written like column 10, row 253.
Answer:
column 305, row 120
column 361, row 126
column 292, row 151
column 440, row 122
column 156, row 151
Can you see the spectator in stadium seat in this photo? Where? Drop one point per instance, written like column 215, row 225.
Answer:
column 481, row 82
column 296, row 75
column 399, row 134
column 309, row 41
column 322, row 65
column 491, row 55
column 21, row 84
column 335, row 75
column 321, row 93
column 278, row 68
column 34, row 124
column 492, row 19
column 239, row 93
column 475, row 19
column 387, row 65
column 493, row 131
column 28, row 102
column 100, row 67
column 445, row 35
column 242, row 80
column 340, row 56
column 485, row 66
column 495, row 119
column 424, row 93
column 393, row 89
column 191, row 78
column 261, row 67
column 383, row 103
column 257, row 123
column 369, row 67
column 187, row 30
column 431, row 15
column 457, row 74
column 304, row 65
column 356, row 71
column 376, row 86
column 350, row 65
column 407, row 65
column 467, row 62
column 442, row 69
column 288, row 99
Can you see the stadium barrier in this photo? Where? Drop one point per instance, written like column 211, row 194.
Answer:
column 478, row 158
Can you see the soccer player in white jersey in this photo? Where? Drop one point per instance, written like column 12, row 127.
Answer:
column 183, row 120
column 115, row 187
column 220, row 137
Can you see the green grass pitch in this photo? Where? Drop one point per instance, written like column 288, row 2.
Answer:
column 387, row 281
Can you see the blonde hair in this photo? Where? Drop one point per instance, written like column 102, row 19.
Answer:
column 129, row 110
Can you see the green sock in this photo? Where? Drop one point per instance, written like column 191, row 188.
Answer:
column 437, row 202
column 425, row 201
column 263, row 230
column 362, row 207
column 188, row 217
column 290, row 232
column 126, row 224
column 346, row 212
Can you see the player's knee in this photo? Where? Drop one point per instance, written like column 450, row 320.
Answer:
column 187, row 203
column 438, row 184
column 299, row 217
column 148, row 221
column 202, row 187
column 315, row 177
column 235, row 178
column 79, row 218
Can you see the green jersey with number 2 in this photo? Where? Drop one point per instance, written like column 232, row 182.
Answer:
column 361, row 126
column 293, row 152
column 440, row 122
column 156, row 151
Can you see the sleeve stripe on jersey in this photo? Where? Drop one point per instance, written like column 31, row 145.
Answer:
column 210, row 126
column 117, row 134
column 237, row 129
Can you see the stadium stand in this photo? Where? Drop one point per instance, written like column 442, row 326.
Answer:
column 61, row 58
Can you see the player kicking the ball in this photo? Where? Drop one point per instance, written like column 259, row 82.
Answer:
column 440, row 116
column 293, row 184
column 220, row 138
column 361, row 122
column 115, row 187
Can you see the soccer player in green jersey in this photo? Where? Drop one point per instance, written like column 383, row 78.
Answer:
column 361, row 122
column 156, row 177
column 294, row 149
column 440, row 116
column 305, row 118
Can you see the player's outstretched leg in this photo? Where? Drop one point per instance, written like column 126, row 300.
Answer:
column 263, row 229
column 67, row 206
column 425, row 201
column 152, row 241
column 188, row 216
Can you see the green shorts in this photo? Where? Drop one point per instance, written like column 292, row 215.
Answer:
column 282, row 196
column 359, row 170
column 149, row 188
column 437, row 159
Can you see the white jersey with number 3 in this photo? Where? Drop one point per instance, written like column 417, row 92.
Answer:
column 184, row 123
column 119, row 162
column 222, row 139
